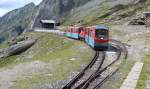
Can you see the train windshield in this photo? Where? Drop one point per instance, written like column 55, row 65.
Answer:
column 102, row 33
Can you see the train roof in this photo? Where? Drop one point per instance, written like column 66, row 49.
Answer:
column 101, row 27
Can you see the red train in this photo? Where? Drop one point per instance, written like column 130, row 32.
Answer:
column 95, row 36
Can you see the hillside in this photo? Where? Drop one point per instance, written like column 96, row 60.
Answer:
column 51, row 59
column 106, row 12
column 14, row 22
column 30, row 15
column 57, row 10
column 68, row 12
column 54, row 60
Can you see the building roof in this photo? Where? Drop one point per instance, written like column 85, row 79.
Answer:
column 102, row 27
column 48, row 21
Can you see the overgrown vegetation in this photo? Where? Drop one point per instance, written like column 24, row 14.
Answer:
column 145, row 74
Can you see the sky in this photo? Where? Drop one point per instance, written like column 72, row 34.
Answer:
column 8, row 5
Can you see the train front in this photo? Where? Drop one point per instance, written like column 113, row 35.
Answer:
column 101, row 38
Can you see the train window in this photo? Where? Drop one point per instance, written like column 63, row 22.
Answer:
column 102, row 33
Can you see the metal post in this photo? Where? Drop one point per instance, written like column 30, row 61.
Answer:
column 146, row 24
column 54, row 26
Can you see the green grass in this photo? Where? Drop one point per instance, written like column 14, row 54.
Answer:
column 3, row 45
column 145, row 74
column 7, row 61
column 117, row 79
column 50, row 49
column 39, row 51
column 125, row 68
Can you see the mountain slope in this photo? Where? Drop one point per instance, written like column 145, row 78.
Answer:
column 99, row 11
column 53, row 58
column 54, row 9
column 17, row 17
column 15, row 21
column 29, row 16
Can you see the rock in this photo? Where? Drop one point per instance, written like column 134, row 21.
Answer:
column 72, row 59
column 138, row 21
column 18, row 48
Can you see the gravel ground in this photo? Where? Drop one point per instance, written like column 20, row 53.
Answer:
column 134, row 36
column 9, row 76
column 131, row 36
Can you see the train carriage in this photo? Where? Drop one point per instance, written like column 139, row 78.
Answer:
column 73, row 32
column 97, row 37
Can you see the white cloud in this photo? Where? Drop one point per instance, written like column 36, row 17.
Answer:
column 8, row 5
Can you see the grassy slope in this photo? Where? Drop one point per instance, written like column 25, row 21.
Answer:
column 50, row 49
column 117, row 79
column 145, row 74
column 102, row 11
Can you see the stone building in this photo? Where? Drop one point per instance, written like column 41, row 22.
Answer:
column 48, row 24
column 147, row 18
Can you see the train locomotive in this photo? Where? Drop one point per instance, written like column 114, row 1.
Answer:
column 95, row 36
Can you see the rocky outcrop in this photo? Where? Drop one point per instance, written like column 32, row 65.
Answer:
column 18, row 17
column 29, row 16
column 17, row 48
column 14, row 22
column 54, row 9
column 138, row 21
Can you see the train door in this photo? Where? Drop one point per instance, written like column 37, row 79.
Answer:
column 91, row 41
column 88, row 35
column 79, row 31
column 71, row 31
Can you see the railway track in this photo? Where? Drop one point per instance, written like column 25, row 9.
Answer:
column 94, row 75
column 98, row 78
column 122, row 47
column 93, row 66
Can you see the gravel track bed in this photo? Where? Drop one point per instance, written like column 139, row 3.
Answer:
column 89, row 71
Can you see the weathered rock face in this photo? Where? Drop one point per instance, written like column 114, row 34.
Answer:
column 54, row 9
column 30, row 15
column 138, row 21
column 18, row 18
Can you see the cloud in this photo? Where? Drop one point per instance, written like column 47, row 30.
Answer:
column 8, row 5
